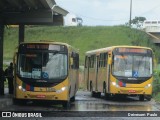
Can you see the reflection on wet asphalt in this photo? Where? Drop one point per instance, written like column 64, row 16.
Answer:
column 84, row 102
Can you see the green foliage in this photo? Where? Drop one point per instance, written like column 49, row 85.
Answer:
column 156, row 82
column 83, row 38
column 136, row 20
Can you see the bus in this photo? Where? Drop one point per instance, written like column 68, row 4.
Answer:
column 45, row 71
column 120, row 70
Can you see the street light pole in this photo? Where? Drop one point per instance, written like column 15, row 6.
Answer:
column 130, row 13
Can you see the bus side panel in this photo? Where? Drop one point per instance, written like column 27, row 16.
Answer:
column 86, row 78
column 102, row 74
column 92, row 78
column 86, row 73
column 73, row 81
column 73, row 72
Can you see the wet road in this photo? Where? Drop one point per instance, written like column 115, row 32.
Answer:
column 87, row 106
column 84, row 102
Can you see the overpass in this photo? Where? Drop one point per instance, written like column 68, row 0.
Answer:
column 152, row 28
column 27, row 12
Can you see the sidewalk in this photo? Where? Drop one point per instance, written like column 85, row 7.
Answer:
column 6, row 99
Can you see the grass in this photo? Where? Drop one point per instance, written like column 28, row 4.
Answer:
column 83, row 38
column 157, row 97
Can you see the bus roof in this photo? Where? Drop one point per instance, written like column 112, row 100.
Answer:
column 47, row 42
column 107, row 49
column 51, row 42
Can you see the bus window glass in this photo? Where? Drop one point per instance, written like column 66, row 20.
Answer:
column 54, row 65
column 132, row 65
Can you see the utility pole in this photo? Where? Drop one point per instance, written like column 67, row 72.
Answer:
column 130, row 13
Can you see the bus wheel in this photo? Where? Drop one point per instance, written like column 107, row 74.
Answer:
column 141, row 97
column 66, row 104
column 148, row 97
column 107, row 96
column 98, row 94
column 93, row 93
column 72, row 99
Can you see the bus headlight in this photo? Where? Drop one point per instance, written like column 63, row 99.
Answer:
column 61, row 90
column 21, row 88
column 114, row 84
column 147, row 86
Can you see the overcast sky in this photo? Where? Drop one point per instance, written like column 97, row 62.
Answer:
column 111, row 12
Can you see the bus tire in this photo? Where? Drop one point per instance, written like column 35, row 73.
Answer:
column 92, row 93
column 107, row 96
column 98, row 94
column 72, row 99
column 148, row 97
column 141, row 97
column 66, row 104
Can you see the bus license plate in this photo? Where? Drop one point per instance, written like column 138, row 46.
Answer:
column 131, row 91
column 41, row 96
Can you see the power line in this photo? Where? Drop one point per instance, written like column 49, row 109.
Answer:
column 150, row 10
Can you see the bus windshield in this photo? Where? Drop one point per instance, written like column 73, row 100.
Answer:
column 42, row 65
column 132, row 65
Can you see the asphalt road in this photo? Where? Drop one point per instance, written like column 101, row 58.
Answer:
column 89, row 107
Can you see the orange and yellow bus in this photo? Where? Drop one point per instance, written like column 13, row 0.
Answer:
column 120, row 70
column 46, row 71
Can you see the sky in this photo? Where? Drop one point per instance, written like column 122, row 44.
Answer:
column 111, row 12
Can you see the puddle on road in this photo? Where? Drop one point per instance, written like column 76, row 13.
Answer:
column 106, row 107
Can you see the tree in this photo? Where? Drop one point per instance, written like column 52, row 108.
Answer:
column 138, row 21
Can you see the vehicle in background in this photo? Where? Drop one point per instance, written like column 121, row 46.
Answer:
column 73, row 20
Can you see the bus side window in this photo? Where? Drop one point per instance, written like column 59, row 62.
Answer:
column 86, row 62
column 75, row 64
column 92, row 61
column 103, row 60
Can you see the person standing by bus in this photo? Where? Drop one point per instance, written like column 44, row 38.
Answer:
column 9, row 75
column 2, row 79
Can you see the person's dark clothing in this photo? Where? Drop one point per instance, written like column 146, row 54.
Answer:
column 9, row 75
column 2, row 79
